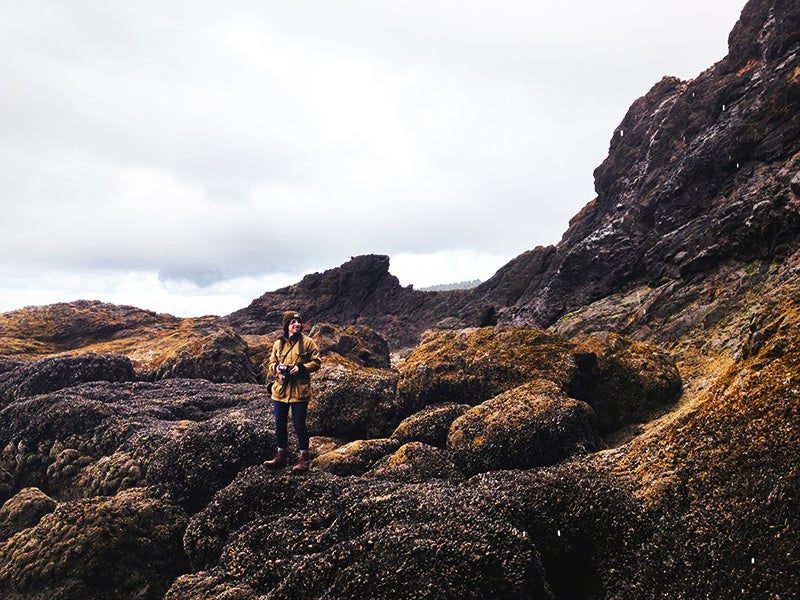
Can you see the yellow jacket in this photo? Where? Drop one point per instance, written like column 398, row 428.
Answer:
column 287, row 352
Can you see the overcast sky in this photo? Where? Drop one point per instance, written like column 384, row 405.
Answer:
column 187, row 157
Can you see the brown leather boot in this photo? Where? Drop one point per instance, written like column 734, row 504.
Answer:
column 279, row 461
column 303, row 462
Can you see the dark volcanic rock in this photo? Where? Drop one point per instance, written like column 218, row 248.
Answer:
column 623, row 380
column 359, row 292
column 50, row 374
column 207, row 456
column 698, row 172
column 219, row 356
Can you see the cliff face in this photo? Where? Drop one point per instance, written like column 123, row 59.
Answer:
column 616, row 416
column 699, row 173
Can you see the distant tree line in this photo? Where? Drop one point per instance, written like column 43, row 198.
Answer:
column 443, row 287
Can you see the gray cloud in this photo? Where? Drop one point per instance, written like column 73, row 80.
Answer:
column 216, row 147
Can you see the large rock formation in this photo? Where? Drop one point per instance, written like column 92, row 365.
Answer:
column 159, row 346
column 360, row 292
column 629, row 429
column 701, row 176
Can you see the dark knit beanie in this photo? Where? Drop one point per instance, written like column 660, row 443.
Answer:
column 288, row 316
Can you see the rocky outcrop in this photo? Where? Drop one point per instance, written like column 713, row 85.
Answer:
column 158, row 346
column 359, row 292
column 700, row 175
column 631, row 381
column 599, row 457
column 55, row 373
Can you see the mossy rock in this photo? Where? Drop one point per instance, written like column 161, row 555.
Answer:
column 533, row 425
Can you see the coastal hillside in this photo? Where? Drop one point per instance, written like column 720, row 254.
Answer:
column 614, row 416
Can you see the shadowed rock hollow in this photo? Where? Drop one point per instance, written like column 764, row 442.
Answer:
column 617, row 416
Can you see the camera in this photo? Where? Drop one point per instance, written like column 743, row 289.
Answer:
column 283, row 373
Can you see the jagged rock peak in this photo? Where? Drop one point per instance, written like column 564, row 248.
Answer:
column 698, row 173
column 362, row 291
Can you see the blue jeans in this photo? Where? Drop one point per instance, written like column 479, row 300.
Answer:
column 299, row 414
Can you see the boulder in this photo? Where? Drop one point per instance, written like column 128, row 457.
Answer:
column 415, row 462
column 125, row 546
column 208, row 455
column 430, row 425
column 220, row 356
column 473, row 365
column 24, row 510
column 358, row 343
column 352, row 402
column 533, row 425
column 355, row 458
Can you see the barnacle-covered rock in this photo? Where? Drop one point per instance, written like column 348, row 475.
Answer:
column 207, row 455
column 158, row 345
column 24, row 510
column 430, row 425
column 472, row 365
column 351, row 401
column 532, row 425
column 357, row 343
column 633, row 379
column 416, row 462
column 54, row 373
column 69, row 553
column 326, row 536
column 355, row 458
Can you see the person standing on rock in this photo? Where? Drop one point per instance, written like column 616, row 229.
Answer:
column 294, row 357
